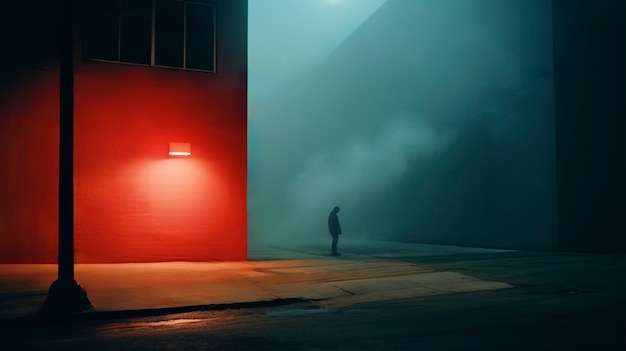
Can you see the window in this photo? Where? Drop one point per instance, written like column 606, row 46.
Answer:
column 160, row 33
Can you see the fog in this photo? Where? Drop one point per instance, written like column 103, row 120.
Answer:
column 424, row 120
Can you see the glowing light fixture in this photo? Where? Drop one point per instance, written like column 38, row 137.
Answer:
column 180, row 149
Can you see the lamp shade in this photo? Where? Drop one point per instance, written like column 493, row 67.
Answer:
column 180, row 149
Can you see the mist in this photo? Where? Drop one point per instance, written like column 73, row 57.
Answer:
column 431, row 121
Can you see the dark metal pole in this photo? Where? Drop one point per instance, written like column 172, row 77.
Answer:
column 65, row 295
column 66, row 146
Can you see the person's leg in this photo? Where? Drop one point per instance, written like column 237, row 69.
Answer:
column 334, row 246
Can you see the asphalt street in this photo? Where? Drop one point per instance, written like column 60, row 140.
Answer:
column 560, row 301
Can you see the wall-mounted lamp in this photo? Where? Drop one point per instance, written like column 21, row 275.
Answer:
column 180, row 149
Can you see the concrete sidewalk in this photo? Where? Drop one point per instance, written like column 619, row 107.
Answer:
column 372, row 271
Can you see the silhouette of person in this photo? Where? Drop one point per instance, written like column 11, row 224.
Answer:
column 335, row 229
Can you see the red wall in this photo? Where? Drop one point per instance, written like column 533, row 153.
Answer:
column 29, row 137
column 133, row 202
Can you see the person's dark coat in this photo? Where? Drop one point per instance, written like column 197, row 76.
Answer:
column 333, row 223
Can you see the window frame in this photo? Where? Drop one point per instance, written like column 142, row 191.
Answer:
column 153, row 29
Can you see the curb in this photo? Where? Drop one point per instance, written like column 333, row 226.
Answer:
column 95, row 316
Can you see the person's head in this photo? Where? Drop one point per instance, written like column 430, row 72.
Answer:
column 336, row 209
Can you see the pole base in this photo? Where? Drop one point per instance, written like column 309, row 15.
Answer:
column 66, row 297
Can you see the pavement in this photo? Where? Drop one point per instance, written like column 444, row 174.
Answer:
column 367, row 271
